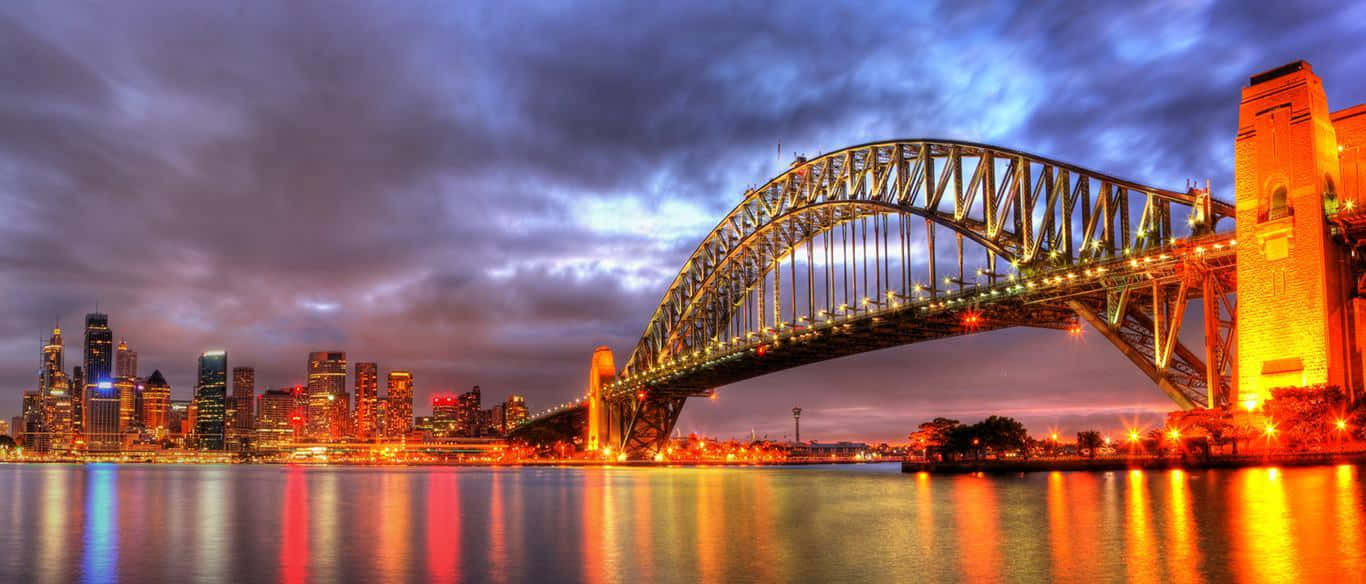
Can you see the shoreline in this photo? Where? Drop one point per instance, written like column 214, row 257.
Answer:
column 472, row 464
column 1115, row 463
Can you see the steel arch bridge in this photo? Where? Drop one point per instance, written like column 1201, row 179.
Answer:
column 897, row 242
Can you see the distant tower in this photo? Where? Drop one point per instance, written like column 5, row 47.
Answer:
column 99, row 358
column 102, row 433
column 125, row 361
column 400, row 403
column 326, row 387
column 797, row 423
column 156, row 405
column 243, row 401
column 1292, row 281
column 210, row 400
column 367, row 400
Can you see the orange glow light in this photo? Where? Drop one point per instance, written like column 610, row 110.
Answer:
column 1174, row 434
column 1341, row 424
column 1270, row 429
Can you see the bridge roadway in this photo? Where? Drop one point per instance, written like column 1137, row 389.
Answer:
column 1100, row 292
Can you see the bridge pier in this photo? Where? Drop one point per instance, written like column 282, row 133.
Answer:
column 1299, row 222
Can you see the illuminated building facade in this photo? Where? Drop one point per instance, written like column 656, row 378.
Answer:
column 127, row 388
column 102, row 433
column 400, row 398
column 99, row 351
column 469, row 422
column 125, row 361
column 34, row 428
column 242, row 405
column 76, row 387
column 367, row 400
column 446, row 415
column 514, row 412
column 156, row 405
column 180, row 418
column 326, row 395
column 56, row 394
column 210, row 400
column 274, row 419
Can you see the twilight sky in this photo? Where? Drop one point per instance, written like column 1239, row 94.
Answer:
column 483, row 192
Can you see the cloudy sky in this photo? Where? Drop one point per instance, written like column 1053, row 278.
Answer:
column 483, row 192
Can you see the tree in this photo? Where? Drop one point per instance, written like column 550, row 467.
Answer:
column 1089, row 440
column 1305, row 416
column 1001, row 433
column 933, row 435
column 7, row 443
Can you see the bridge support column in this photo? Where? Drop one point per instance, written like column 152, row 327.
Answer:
column 1293, row 317
column 601, row 423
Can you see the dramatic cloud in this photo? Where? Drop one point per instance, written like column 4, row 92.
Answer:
column 482, row 193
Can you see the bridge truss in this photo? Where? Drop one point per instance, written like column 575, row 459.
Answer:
column 890, row 243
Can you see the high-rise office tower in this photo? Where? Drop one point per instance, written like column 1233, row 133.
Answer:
column 244, row 399
column 514, row 412
column 34, row 433
column 445, row 414
column 210, row 400
column 467, row 418
column 367, row 400
column 274, row 418
column 76, row 387
column 99, row 350
column 56, row 393
column 125, row 361
column 156, row 405
column 400, row 398
column 326, row 387
column 102, row 433
column 126, row 388
column 52, row 360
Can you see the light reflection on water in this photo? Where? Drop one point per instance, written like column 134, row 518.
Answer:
column 103, row 523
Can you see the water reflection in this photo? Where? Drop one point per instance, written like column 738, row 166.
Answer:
column 101, row 537
column 975, row 512
column 99, row 523
column 443, row 527
column 294, row 528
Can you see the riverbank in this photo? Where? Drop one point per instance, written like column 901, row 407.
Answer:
column 1113, row 463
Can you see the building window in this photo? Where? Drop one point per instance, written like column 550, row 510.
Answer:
column 1278, row 204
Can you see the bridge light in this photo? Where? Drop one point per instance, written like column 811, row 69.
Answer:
column 1341, row 424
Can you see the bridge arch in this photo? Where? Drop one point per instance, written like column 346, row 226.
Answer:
column 1035, row 242
column 1020, row 208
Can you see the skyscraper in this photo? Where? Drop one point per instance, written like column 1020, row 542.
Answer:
column 125, row 382
column 210, row 396
column 34, row 428
column 367, row 400
column 56, row 392
column 76, row 387
column 445, row 414
column 326, row 387
column 400, row 398
column 514, row 411
column 102, row 418
column 243, row 400
column 274, row 420
column 98, row 361
column 467, row 418
column 99, row 346
column 156, row 405
column 125, row 361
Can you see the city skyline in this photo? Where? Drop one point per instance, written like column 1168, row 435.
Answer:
column 516, row 205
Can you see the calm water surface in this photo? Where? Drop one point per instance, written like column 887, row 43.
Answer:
column 103, row 523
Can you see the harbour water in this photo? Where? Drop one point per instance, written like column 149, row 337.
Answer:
column 864, row 523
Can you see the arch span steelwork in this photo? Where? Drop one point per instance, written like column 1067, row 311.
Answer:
column 1023, row 209
column 837, row 255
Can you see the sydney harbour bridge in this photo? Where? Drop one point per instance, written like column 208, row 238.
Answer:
column 905, row 241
